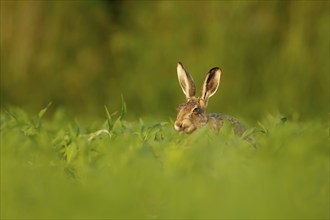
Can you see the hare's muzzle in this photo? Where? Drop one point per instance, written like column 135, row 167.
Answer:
column 178, row 126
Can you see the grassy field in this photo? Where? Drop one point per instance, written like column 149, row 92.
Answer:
column 59, row 167
column 77, row 160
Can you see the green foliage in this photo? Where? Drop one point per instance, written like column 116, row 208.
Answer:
column 136, row 169
column 82, row 55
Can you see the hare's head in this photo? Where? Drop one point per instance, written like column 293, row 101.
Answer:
column 192, row 115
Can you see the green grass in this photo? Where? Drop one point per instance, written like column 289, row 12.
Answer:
column 63, row 168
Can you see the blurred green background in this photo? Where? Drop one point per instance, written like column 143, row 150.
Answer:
column 82, row 55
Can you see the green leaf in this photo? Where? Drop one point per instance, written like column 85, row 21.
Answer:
column 109, row 119
column 71, row 152
column 263, row 128
column 123, row 107
column 30, row 130
column 43, row 111
column 117, row 126
column 98, row 133
column 40, row 116
column 247, row 133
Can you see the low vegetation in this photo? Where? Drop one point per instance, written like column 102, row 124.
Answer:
column 56, row 167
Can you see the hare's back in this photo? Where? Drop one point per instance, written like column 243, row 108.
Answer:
column 217, row 120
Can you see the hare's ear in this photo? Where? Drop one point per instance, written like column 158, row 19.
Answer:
column 186, row 82
column 211, row 84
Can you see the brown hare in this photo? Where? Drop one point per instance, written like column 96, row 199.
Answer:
column 192, row 114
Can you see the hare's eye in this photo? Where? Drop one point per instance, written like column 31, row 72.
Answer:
column 196, row 110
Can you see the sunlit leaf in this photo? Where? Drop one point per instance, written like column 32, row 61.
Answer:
column 109, row 119
column 71, row 152
column 123, row 107
column 43, row 111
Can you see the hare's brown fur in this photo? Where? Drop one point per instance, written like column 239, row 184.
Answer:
column 192, row 114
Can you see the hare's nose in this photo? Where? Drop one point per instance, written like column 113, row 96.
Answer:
column 178, row 126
